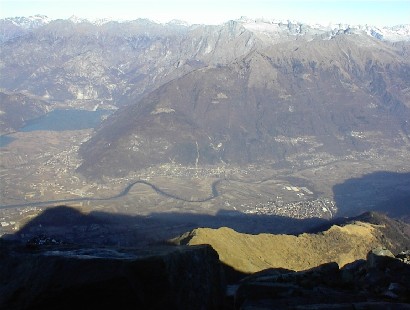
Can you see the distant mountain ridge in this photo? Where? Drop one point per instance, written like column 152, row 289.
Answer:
column 114, row 62
column 388, row 33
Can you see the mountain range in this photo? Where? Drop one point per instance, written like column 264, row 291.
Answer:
column 241, row 92
column 17, row 26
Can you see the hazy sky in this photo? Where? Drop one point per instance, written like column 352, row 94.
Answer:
column 391, row 12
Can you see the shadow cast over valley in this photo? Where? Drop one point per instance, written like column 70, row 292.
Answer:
column 70, row 225
column 386, row 192
column 382, row 191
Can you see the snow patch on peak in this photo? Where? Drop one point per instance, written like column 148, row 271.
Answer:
column 177, row 22
column 278, row 28
column 271, row 29
column 97, row 21
column 102, row 21
column 395, row 33
column 77, row 20
column 30, row 22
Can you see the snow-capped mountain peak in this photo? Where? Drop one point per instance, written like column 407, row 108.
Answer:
column 77, row 20
column 271, row 29
column 277, row 28
column 30, row 22
column 98, row 21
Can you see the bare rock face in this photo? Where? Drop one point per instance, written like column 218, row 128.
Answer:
column 377, row 257
column 108, row 278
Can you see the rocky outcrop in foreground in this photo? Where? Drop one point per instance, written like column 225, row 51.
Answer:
column 379, row 282
column 108, row 278
column 45, row 272
column 56, row 277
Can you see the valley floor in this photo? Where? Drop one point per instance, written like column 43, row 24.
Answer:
column 38, row 170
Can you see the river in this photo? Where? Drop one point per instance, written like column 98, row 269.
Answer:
column 124, row 192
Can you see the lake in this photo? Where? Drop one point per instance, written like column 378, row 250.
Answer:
column 60, row 120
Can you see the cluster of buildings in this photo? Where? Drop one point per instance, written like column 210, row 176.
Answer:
column 313, row 208
column 12, row 219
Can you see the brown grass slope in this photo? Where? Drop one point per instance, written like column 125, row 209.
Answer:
column 342, row 243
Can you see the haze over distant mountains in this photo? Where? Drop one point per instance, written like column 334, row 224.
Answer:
column 242, row 92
